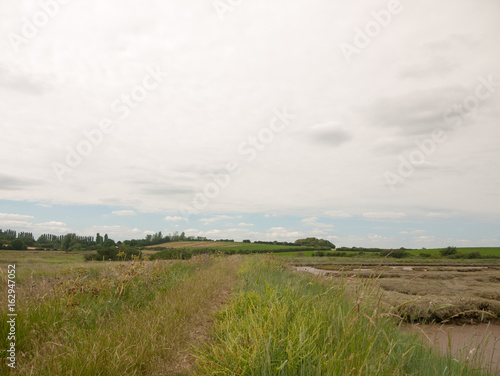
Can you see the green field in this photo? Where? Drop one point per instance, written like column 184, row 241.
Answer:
column 240, row 246
column 485, row 251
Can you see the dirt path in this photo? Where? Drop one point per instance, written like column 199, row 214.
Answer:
column 205, row 293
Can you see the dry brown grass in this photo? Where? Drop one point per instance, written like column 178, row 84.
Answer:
column 205, row 292
column 437, row 293
column 133, row 318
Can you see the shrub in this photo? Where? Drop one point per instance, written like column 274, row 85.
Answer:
column 425, row 254
column 108, row 253
column 18, row 245
column 448, row 251
column 318, row 254
column 172, row 254
column 91, row 256
column 396, row 253
column 474, row 255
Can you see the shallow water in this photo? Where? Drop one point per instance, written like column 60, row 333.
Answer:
column 465, row 342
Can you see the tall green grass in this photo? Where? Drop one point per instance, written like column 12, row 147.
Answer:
column 72, row 323
column 282, row 323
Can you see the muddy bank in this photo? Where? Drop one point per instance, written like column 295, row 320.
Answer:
column 428, row 293
column 473, row 343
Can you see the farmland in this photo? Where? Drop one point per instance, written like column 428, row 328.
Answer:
column 227, row 245
column 486, row 251
column 217, row 314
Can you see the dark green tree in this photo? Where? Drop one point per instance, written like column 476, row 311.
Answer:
column 68, row 242
column 18, row 244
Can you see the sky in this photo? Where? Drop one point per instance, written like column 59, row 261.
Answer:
column 368, row 123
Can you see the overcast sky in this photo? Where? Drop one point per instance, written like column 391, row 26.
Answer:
column 369, row 123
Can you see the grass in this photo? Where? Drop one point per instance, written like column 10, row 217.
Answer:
column 157, row 317
column 425, row 292
column 118, row 319
column 193, row 245
column 485, row 251
column 282, row 323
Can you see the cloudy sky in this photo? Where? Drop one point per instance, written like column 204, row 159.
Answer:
column 369, row 123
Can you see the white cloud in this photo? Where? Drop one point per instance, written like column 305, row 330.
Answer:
column 377, row 237
column 313, row 222
column 207, row 221
column 174, row 218
column 123, row 212
column 15, row 217
column 442, row 214
column 275, row 233
column 384, row 215
column 310, row 220
column 424, row 237
column 50, row 227
column 412, row 232
column 117, row 232
column 210, row 234
column 337, row 214
column 243, row 224
column 14, row 225
column 223, row 87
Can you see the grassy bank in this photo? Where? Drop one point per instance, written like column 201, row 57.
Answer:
column 282, row 323
column 115, row 319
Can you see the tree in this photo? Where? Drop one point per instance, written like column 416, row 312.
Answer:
column 246, row 241
column 99, row 239
column 182, row 237
column 108, row 243
column 448, row 251
column 17, row 244
column 68, row 242
column 316, row 243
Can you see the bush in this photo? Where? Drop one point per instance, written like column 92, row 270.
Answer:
column 471, row 255
column 18, row 245
column 474, row 255
column 172, row 254
column 396, row 253
column 448, row 251
column 91, row 256
column 425, row 254
column 107, row 253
